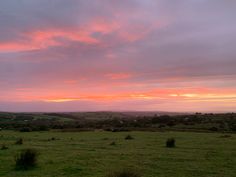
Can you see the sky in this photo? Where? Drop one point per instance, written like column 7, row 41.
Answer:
column 118, row 55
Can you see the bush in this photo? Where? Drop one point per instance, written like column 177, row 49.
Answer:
column 170, row 142
column 113, row 143
column 225, row 136
column 26, row 159
column 53, row 139
column 4, row 147
column 124, row 173
column 232, row 126
column 25, row 129
column 129, row 137
column 214, row 129
column 19, row 141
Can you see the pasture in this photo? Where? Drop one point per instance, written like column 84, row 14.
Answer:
column 98, row 153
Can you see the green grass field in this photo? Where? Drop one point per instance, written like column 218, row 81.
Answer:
column 89, row 154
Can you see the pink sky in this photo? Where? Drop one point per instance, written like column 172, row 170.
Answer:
column 152, row 55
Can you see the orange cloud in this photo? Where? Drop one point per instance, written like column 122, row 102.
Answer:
column 162, row 94
column 112, row 93
column 61, row 100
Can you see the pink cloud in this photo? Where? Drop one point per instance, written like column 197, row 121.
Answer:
column 117, row 76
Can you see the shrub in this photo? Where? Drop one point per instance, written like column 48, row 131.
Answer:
column 26, row 159
column 129, row 137
column 225, row 136
column 4, row 147
column 113, row 143
column 43, row 128
column 19, row 141
column 170, row 142
column 25, row 129
column 124, row 173
column 232, row 126
column 214, row 129
column 161, row 126
column 52, row 139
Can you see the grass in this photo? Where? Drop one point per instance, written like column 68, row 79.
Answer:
column 89, row 154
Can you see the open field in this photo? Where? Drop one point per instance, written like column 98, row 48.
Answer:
column 90, row 154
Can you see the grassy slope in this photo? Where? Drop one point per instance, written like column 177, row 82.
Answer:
column 88, row 154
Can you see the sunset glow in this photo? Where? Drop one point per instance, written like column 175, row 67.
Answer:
column 152, row 55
